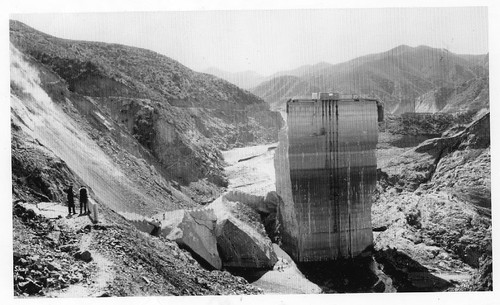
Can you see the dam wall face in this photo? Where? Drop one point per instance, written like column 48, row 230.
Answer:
column 326, row 174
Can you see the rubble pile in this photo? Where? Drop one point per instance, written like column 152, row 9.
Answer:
column 45, row 260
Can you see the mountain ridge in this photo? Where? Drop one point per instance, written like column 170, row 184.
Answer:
column 243, row 79
column 397, row 76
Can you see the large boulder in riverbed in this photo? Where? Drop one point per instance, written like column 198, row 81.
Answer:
column 261, row 204
column 241, row 237
column 192, row 229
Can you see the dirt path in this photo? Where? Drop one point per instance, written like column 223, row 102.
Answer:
column 96, row 285
column 103, row 274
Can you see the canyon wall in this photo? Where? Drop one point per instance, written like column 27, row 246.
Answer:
column 325, row 174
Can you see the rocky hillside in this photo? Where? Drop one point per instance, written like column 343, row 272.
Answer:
column 180, row 116
column 433, row 207
column 404, row 78
column 282, row 87
column 427, row 124
column 245, row 79
column 471, row 95
column 58, row 256
column 82, row 114
column 59, row 137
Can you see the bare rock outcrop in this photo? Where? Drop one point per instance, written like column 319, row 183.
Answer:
column 260, row 204
column 229, row 232
column 193, row 229
column 435, row 202
column 434, row 158
column 241, row 237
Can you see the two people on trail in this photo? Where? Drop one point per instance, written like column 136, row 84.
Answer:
column 84, row 198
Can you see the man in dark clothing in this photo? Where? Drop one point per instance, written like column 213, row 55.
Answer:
column 71, row 199
column 83, row 200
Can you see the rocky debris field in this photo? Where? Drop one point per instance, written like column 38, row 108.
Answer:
column 71, row 257
column 230, row 232
column 422, row 124
column 433, row 208
column 147, row 265
column 47, row 255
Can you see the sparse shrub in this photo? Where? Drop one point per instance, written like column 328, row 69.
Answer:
column 413, row 218
column 143, row 129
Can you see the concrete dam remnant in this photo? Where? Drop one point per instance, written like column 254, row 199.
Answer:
column 326, row 174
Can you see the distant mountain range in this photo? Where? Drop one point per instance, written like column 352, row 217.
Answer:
column 245, row 79
column 405, row 78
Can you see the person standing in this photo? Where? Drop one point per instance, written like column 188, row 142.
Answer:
column 71, row 199
column 83, row 200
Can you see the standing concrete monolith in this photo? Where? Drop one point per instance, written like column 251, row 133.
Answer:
column 326, row 174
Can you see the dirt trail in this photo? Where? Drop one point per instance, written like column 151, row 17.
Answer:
column 104, row 272
column 56, row 210
column 96, row 285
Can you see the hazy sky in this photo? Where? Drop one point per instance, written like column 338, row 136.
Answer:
column 274, row 40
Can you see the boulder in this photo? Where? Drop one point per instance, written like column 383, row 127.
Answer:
column 261, row 204
column 192, row 229
column 69, row 247
column 17, row 256
column 54, row 236
column 241, row 237
column 53, row 266
column 147, row 225
column 93, row 210
column 22, row 262
column 85, row 256
column 30, row 287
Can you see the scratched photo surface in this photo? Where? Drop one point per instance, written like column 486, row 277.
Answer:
column 242, row 152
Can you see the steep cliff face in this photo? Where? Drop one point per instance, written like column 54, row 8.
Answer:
column 181, row 117
column 59, row 137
